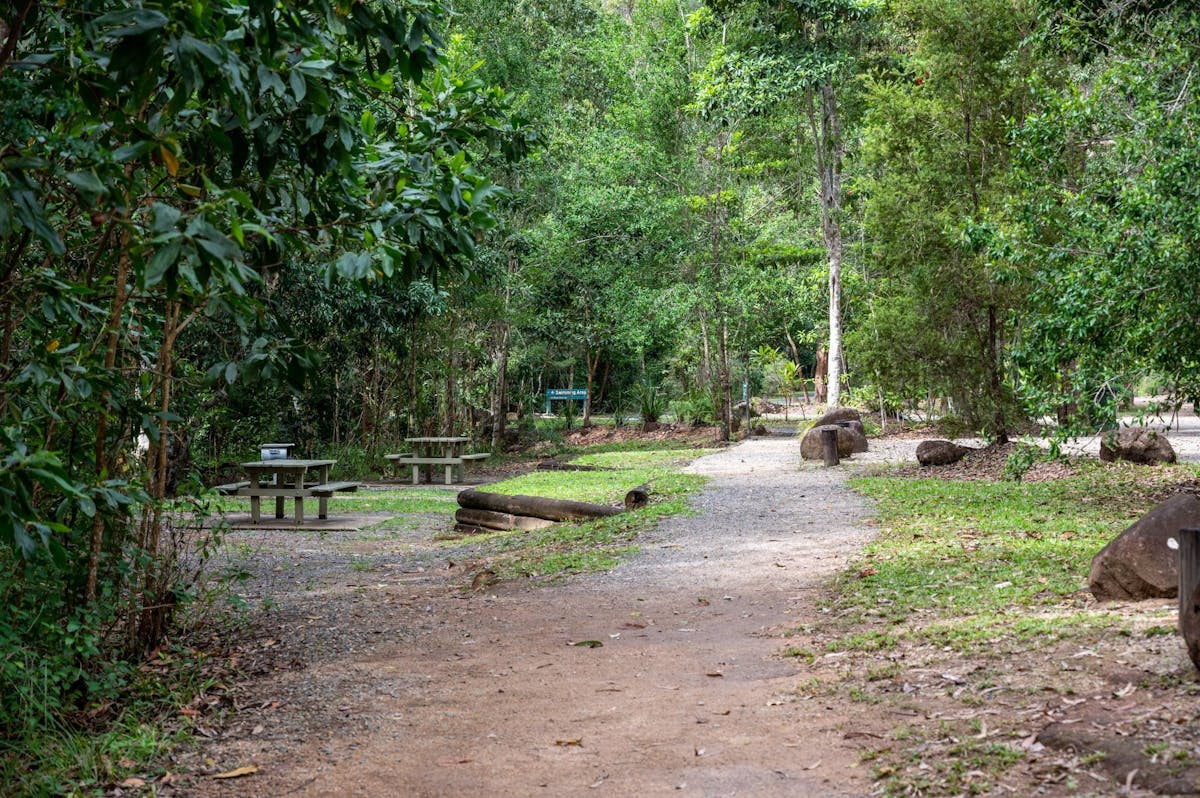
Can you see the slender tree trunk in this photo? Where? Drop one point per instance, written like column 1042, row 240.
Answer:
column 593, row 363
column 826, row 131
column 102, row 465
column 500, row 389
column 996, row 378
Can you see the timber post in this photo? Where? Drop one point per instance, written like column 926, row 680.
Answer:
column 829, row 446
column 1189, row 591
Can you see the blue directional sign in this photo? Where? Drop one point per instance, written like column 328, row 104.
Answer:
column 565, row 395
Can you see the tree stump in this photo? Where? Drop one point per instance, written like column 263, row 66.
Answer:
column 829, row 446
column 1189, row 591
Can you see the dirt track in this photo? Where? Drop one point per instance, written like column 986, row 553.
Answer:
column 445, row 693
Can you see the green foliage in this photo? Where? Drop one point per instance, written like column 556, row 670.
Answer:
column 651, row 403
column 935, row 143
column 696, row 408
column 163, row 171
column 1106, row 228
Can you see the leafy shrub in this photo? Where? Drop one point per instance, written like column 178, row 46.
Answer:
column 696, row 408
column 651, row 402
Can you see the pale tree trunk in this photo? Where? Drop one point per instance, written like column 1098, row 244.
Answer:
column 500, row 391
column 827, row 140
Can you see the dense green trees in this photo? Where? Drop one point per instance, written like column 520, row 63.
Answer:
column 936, row 156
column 1105, row 209
column 225, row 222
column 175, row 181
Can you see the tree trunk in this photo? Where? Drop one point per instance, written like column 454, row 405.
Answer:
column 500, row 390
column 819, row 375
column 1000, row 430
column 103, row 471
column 593, row 363
column 826, row 131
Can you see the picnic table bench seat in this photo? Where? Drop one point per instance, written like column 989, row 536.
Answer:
column 329, row 488
column 451, row 464
column 231, row 488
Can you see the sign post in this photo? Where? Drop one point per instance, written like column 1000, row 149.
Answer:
column 565, row 395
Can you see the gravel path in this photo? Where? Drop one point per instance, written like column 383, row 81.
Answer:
column 684, row 689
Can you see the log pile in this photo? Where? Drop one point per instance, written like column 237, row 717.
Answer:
column 487, row 512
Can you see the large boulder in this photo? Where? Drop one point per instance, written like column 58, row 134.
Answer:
column 811, row 447
column 1136, row 445
column 860, row 434
column 1139, row 563
column 939, row 452
column 835, row 414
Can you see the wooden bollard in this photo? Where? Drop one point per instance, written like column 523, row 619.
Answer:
column 829, row 446
column 1189, row 591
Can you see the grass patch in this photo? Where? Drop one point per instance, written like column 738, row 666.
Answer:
column 982, row 553
column 80, row 763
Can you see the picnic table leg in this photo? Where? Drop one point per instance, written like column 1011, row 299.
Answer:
column 255, row 509
column 299, row 510
column 449, row 474
column 323, row 508
column 279, row 507
column 416, row 475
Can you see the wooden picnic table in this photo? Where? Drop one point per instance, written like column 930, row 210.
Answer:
column 288, row 478
column 443, row 450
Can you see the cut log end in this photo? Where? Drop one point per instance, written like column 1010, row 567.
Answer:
column 637, row 498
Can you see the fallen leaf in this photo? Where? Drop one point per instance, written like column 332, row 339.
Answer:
column 578, row 742
column 237, row 772
column 813, row 766
column 589, row 644
column 715, row 674
column 699, row 751
column 868, row 571
column 133, row 782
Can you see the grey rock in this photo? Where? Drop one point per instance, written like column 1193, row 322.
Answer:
column 811, row 447
column 835, row 414
column 940, row 452
column 1137, row 445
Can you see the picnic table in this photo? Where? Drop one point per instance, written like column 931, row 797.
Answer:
column 286, row 478
column 429, row 451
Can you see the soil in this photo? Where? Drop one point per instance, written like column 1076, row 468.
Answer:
column 392, row 665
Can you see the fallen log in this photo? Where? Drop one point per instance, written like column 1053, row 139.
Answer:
column 499, row 521
column 536, row 506
column 556, row 465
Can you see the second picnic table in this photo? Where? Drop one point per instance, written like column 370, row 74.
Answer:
column 429, row 451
